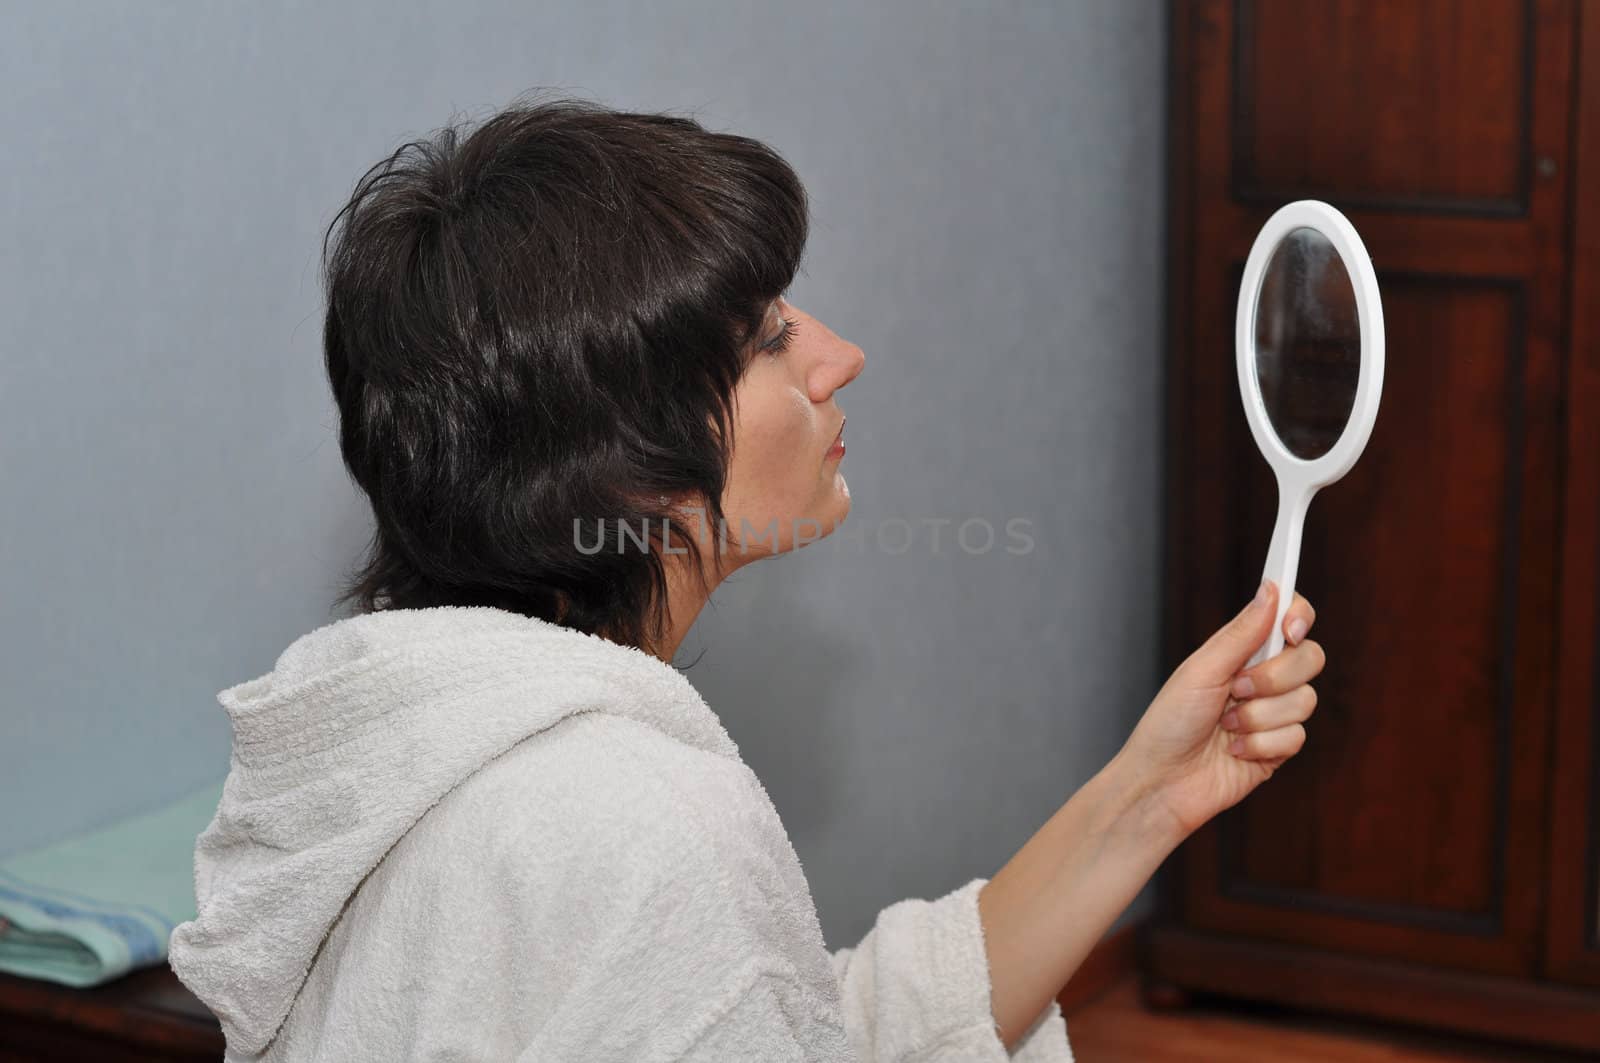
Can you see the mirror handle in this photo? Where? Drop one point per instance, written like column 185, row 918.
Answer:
column 1283, row 560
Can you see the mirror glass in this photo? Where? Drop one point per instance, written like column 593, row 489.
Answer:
column 1308, row 343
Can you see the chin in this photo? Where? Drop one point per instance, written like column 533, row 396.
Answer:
column 825, row 514
column 836, row 511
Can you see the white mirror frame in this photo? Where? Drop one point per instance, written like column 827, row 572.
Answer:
column 1299, row 479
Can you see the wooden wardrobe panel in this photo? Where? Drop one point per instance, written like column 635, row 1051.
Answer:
column 1412, row 824
column 1446, row 83
column 1414, row 767
column 1412, row 837
column 1572, row 948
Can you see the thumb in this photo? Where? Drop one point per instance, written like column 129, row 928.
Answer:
column 1225, row 652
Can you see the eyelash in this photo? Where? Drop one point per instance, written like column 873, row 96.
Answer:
column 780, row 343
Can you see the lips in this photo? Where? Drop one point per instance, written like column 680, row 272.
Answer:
column 838, row 440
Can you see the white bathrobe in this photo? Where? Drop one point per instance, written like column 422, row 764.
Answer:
column 462, row 834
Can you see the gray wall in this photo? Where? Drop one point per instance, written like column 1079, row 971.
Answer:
column 988, row 195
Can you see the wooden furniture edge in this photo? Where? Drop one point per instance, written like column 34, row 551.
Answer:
column 1511, row 1009
column 148, row 1009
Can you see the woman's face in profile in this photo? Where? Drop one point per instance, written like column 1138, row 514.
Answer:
column 785, row 487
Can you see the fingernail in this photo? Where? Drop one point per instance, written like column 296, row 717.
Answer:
column 1297, row 630
column 1236, row 746
column 1261, row 593
column 1244, row 687
column 1230, row 722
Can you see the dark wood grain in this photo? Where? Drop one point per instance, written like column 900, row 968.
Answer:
column 1510, row 1009
column 1440, row 90
column 1421, row 829
column 147, row 1015
column 1119, row 1028
column 1572, row 944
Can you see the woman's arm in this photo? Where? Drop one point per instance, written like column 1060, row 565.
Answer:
column 916, row 989
column 1052, row 902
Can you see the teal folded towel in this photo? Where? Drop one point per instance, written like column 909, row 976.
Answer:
column 92, row 908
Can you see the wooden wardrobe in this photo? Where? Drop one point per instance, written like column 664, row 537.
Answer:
column 1431, row 854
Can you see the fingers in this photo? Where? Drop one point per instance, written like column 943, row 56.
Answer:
column 1267, row 714
column 1226, row 651
column 1297, row 620
column 1295, row 666
column 1275, row 698
column 1270, row 745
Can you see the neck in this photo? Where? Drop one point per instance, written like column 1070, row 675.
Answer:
column 686, row 596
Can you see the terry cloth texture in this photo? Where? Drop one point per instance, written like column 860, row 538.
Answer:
column 460, row 833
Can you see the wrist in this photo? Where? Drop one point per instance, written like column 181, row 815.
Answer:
column 1135, row 809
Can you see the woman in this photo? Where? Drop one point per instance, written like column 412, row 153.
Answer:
column 485, row 817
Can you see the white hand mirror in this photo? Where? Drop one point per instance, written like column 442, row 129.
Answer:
column 1309, row 339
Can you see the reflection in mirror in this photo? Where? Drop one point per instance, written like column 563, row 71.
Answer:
column 1308, row 343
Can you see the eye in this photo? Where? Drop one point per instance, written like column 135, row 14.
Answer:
column 780, row 343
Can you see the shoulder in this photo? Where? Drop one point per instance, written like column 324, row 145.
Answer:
column 647, row 873
column 613, row 763
column 602, row 823
column 608, row 789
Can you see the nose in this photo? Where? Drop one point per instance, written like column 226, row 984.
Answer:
column 857, row 362
column 841, row 362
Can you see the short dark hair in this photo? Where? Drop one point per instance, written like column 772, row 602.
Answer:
column 541, row 321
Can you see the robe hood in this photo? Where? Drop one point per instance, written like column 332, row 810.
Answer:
column 359, row 729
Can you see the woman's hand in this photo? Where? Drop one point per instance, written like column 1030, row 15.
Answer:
column 1054, row 900
column 1214, row 732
